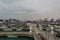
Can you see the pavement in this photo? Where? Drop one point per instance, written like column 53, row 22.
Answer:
column 37, row 35
column 44, row 35
column 47, row 35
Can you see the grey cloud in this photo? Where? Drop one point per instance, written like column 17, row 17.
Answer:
column 9, row 1
column 33, row 8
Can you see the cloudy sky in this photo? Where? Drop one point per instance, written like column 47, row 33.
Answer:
column 29, row 9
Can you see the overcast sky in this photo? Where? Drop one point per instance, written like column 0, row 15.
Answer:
column 29, row 9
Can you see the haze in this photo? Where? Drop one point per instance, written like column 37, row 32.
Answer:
column 29, row 9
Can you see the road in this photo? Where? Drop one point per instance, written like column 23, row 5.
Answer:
column 38, row 35
column 57, row 38
column 47, row 35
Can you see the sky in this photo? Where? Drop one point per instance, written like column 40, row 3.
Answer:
column 29, row 9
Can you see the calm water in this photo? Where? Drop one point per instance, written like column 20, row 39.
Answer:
column 19, row 38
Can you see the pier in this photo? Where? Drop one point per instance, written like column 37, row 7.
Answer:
column 15, row 31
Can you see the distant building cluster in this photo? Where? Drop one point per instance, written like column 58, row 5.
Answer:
column 12, row 23
column 50, row 22
column 17, row 23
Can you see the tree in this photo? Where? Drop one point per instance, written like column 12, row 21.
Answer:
column 10, row 19
column 14, row 19
column 52, row 20
column 45, row 21
column 57, row 21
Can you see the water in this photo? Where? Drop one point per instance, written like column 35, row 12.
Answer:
column 19, row 38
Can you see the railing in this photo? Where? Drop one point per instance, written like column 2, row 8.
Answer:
column 14, row 28
column 15, row 33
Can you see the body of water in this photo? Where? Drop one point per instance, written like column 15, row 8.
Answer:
column 19, row 38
